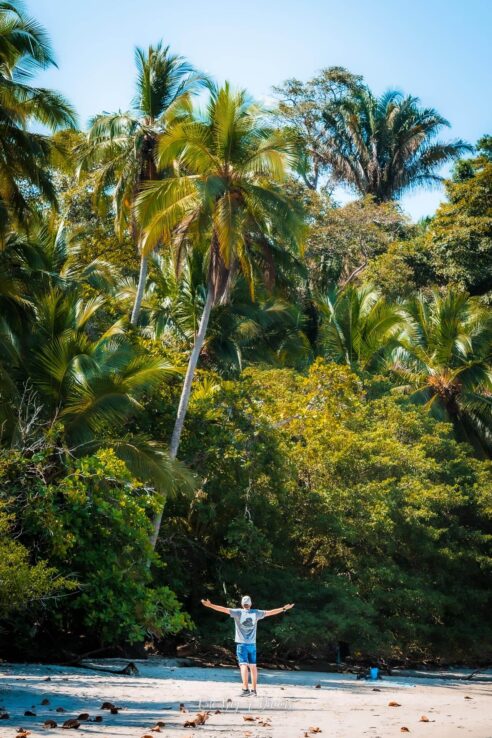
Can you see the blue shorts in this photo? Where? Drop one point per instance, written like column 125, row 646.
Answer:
column 246, row 653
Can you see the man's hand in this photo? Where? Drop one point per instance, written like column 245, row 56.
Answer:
column 289, row 607
column 218, row 608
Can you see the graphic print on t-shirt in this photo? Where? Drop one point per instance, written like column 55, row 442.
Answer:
column 248, row 622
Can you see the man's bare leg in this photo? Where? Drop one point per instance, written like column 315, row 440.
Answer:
column 254, row 675
column 244, row 674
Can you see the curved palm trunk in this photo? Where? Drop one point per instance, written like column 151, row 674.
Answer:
column 142, row 277
column 185, row 397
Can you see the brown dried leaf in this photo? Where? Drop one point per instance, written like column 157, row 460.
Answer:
column 424, row 719
column 147, row 736
column 314, row 730
column 156, row 729
column 71, row 724
column 467, row 697
column 393, row 704
column 404, row 729
column 248, row 718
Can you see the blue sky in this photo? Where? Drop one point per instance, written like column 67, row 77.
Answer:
column 439, row 50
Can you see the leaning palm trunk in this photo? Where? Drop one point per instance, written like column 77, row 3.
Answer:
column 142, row 277
column 185, row 397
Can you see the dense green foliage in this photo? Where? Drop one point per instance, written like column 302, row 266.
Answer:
column 183, row 284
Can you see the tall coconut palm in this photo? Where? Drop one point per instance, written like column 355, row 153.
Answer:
column 121, row 148
column 444, row 361
column 25, row 155
column 224, row 198
column 359, row 327
column 387, row 145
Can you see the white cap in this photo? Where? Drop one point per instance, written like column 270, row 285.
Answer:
column 246, row 600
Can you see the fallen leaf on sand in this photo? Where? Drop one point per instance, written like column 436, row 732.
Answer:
column 249, row 718
column 107, row 706
column 83, row 716
column 424, row 719
column 147, row 736
column 314, row 729
column 182, row 708
column 394, row 704
column 71, row 724
column 60, row 709
column 199, row 719
column 45, row 701
column 467, row 697
column 29, row 713
column 21, row 733
column 156, row 729
column 50, row 724
column 404, row 730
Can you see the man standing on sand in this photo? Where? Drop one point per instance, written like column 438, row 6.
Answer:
column 246, row 619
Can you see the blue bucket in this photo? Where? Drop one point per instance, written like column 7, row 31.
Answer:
column 374, row 672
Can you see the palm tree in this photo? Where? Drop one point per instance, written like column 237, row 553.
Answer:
column 359, row 327
column 225, row 199
column 385, row 146
column 268, row 329
column 121, row 147
column 444, row 361
column 24, row 155
column 86, row 378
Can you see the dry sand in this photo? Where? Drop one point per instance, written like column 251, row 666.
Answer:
column 343, row 707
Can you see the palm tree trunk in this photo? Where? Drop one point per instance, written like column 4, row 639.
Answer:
column 185, row 396
column 142, row 277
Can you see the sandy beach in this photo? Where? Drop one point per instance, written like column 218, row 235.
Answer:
column 289, row 704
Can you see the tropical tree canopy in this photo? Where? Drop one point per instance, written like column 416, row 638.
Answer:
column 444, row 361
column 180, row 280
column 121, row 148
column 25, row 155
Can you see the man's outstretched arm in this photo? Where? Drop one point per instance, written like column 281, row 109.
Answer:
column 219, row 608
column 278, row 610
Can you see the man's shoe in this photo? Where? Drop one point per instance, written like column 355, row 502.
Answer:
column 245, row 693
column 253, row 693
